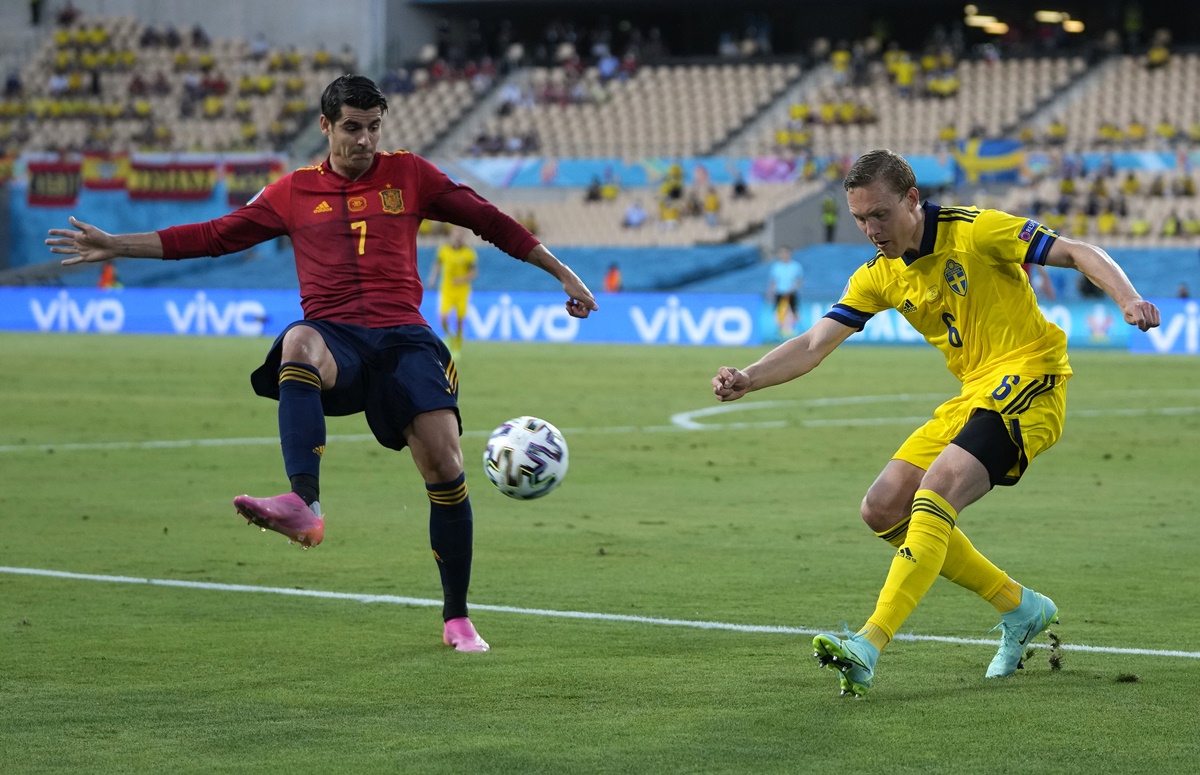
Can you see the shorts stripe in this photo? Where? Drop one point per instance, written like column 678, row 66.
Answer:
column 1045, row 387
column 1007, row 408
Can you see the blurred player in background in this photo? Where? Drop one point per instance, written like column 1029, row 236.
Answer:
column 458, row 266
column 362, row 345
column 783, row 290
column 955, row 274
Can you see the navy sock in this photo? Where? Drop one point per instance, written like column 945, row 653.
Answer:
column 451, row 532
column 301, row 427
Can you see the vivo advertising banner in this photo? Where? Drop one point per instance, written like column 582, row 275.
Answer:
column 635, row 318
column 1178, row 333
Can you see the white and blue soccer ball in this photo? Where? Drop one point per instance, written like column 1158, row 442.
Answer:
column 525, row 458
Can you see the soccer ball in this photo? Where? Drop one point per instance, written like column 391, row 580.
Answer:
column 525, row 458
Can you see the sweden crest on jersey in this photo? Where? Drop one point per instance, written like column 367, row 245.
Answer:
column 956, row 277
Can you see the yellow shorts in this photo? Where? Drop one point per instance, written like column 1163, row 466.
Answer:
column 456, row 302
column 1032, row 407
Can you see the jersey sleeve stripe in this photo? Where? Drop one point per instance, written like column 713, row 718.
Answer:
column 849, row 316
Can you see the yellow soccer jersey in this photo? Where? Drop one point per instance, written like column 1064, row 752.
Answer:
column 966, row 293
column 455, row 263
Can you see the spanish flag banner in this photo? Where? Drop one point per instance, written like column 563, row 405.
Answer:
column 246, row 177
column 53, row 184
column 171, row 179
column 105, row 171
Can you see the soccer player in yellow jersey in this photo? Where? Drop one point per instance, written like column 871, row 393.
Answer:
column 458, row 265
column 955, row 274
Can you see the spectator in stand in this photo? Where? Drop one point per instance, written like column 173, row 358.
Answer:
column 712, row 206
column 67, row 14
column 12, row 86
column 608, row 66
column 635, row 215
column 1166, row 130
column 530, row 222
column 1171, row 226
column 200, row 38
column 594, row 191
column 138, row 86
column 162, row 85
column 1182, row 291
column 259, row 47
column 740, row 189
column 321, row 57
column 1056, row 132
column 611, row 186
column 1106, row 223
column 151, row 37
column 171, row 38
column 1159, row 55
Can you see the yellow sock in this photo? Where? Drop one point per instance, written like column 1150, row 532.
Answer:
column 966, row 567
column 1008, row 597
column 875, row 635
column 917, row 563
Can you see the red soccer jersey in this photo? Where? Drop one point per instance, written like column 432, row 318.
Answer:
column 355, row 240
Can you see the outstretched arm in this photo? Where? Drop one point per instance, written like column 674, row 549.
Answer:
column 1099, row 267
column 790, row 360
column 580, row 302
column 86, row 244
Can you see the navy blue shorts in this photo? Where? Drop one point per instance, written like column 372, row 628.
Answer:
column 390, row 374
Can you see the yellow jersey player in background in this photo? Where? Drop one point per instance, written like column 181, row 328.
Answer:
column 458, row 265
column 955, row 274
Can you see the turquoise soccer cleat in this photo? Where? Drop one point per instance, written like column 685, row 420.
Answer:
column 853, row 656
column 1017, row 628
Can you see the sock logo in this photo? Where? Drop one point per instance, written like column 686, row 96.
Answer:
column 319, row 451
column 437, row 556
column 906, row 553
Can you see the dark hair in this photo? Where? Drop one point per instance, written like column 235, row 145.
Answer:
column 357, row 91
column 881, row 164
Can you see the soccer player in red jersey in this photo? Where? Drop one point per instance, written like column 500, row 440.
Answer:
column 362, row 345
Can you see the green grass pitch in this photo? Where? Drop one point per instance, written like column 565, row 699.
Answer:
column 741, row 514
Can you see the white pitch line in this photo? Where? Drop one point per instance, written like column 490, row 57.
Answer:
column 506, row 609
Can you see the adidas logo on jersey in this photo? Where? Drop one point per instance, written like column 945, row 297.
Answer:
column 322, row 208
column 908, row 307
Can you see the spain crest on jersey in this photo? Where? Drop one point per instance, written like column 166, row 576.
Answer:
column 956, row 277
column 393, row 200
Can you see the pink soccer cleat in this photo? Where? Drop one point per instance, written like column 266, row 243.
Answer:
column 460, row 634
column 287, row 514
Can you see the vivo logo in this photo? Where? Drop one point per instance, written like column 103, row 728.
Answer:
column 63, row 313
column 675, row 323
column 1165, row 339
column 201, row 316
column 504, row 319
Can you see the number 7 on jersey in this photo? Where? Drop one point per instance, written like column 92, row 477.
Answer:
column 362, row 237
